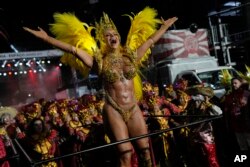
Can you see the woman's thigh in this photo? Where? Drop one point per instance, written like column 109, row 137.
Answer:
column 137, row 127
column 116, row 128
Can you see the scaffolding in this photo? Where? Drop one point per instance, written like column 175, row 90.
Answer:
column 31, row 54
column 221, row 39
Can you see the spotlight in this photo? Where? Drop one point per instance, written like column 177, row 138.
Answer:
column 13, row 48
column 4, row 63
column 38, row 62
column 28, row 63
column 40, row 65
column 17, row 63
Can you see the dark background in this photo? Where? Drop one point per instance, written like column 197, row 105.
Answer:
column 14, row 14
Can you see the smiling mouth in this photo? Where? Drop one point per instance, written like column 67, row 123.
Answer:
column 113, row 41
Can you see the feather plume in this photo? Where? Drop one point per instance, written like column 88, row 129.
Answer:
column 248, row 69
column 143, row 25
column 246, row 76
column 226, row 78
column 68, row 28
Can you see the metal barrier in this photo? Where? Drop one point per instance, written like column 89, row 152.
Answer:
column 15, row 155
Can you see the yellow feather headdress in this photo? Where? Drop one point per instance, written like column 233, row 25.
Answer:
column 101, row 26
column 68, row 28
column 226, row 78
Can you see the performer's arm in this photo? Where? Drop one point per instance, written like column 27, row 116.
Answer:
column 155, row 37
column 81, row 54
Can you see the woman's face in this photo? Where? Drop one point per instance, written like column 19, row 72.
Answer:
column 112, row 38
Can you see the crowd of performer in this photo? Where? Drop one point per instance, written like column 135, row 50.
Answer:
column 53, row 128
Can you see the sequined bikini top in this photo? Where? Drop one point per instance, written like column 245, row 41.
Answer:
column 118, row 67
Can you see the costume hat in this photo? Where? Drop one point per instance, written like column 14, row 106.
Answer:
column 8, row 110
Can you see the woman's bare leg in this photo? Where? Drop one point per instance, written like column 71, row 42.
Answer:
column 137, row 127
column 117, row 130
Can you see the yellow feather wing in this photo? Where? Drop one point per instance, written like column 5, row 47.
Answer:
column 143, row 25
column 138, row 87
column 68, row 28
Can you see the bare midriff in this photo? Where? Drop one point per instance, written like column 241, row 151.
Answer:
column 122, row 92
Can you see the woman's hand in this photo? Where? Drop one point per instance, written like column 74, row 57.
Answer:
column 169, row 22
column 40, row 33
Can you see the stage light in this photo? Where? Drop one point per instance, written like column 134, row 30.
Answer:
column 4, row 63
column 13, row 48
column 17, row 63
column 38, row 62
column 28, row 63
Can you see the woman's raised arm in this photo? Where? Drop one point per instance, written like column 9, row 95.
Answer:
column 155, row 37
column 81, row 54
